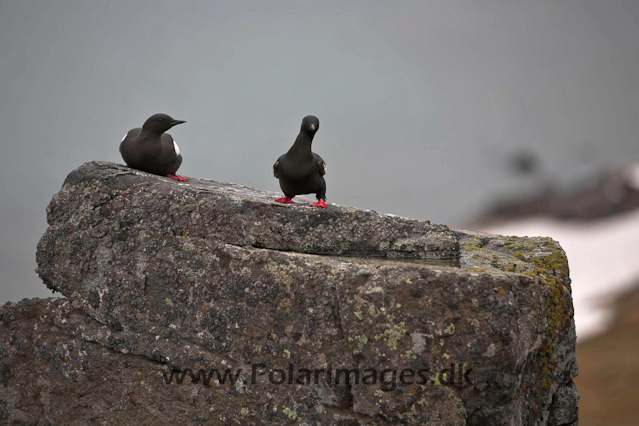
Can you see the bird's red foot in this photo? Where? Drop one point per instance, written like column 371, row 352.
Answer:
column 284, row 200
column 177, row 177
column 320, row 203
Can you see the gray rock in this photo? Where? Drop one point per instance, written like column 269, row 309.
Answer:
column 162, row 276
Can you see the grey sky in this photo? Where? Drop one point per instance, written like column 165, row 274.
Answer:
column 420, row 102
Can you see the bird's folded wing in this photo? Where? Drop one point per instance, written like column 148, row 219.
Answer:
column 321, row 164
column 276, row 171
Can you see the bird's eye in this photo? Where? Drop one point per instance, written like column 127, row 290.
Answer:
column 160, row 120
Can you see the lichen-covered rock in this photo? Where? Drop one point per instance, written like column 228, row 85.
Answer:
column 317, row 317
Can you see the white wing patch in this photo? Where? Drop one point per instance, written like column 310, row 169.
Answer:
column 124, row 137
column 176, row 148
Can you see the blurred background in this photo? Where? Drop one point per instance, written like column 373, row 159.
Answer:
column 517, row 117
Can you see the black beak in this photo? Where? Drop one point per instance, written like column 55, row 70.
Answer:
column 176, row 122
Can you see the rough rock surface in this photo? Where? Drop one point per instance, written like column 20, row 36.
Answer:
column 163, row 277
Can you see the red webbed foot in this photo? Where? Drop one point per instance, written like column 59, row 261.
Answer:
column 320, row 203
column 284, row 200
column 177, row 177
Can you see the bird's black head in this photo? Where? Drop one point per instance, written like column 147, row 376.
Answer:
column 310, row 124
column 160, row 123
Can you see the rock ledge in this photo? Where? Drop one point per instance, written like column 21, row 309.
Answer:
column 164, row 279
